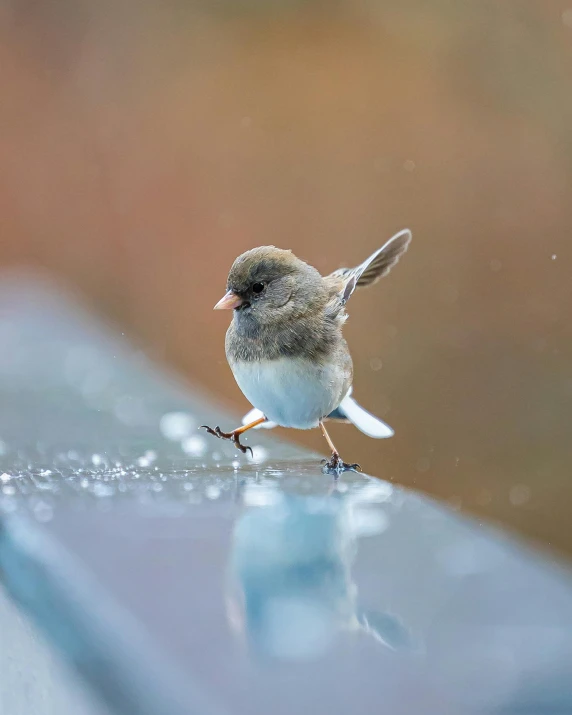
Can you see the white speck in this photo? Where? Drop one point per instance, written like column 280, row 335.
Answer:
column 212, row 492
column 8, row 489
column 42, row 511
column 195, row 445
column 176, row 425
column 423, row 464
column 236, row 464
column 84, row 483
column 567, row 17
column 375, row 364
column 216, row 456
column 519, row 494
column 409, row 165
column 5, row 477
column 246, row 122
column 96, row 459
column 495, row 265
column 259, row 454
column 102, row 490
column 554, row 256
column 143, row 462
column 157, row 487
column 188, row 486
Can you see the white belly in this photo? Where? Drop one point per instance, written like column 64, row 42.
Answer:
column 291, row 391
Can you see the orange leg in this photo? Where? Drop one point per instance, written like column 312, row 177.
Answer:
column 235, row 434
column 335, row 464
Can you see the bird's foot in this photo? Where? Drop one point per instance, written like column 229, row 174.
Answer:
column 335, row 465
column 233, row 436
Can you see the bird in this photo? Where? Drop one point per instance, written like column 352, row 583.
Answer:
column 285, row 345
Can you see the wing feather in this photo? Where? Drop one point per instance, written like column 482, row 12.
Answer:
column 375, row 267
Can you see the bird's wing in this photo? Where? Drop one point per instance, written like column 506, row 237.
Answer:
column 366, row 422
column 254, row 415
column 373, row 268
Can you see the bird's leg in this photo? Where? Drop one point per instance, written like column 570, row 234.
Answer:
column 235, row 434
column 335, row 464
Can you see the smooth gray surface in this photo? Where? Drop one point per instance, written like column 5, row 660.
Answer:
column 179, row 577
column 33, row 680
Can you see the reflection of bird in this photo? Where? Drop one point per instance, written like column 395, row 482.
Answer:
column 291, row 592
column 285, row 344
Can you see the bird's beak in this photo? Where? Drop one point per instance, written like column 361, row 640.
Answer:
column 229, row 301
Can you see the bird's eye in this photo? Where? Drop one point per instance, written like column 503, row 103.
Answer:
column 257, row 287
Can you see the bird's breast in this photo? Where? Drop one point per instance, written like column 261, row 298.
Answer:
column 292, row 392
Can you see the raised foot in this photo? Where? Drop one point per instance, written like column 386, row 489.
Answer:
column 233, row 436
column 335, row 465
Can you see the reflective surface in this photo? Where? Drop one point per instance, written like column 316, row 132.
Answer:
column 179, row 577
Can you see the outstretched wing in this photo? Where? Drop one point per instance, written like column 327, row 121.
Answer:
column 373, row 268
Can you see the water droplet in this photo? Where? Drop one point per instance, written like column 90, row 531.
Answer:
column 42, row 511
column 259, row 454
column 554, row 256
column 157, row 487
column 236, row 464
column 246, row 122
column 495, row 265
column 195, row 445
column 423, row 464
column 3, row 447
column 176, row 425
column 519, row 494
column 375, row 363
column 102, row 490
column 212, row 492
column 567, row 17
column 409, row 165
column 5, row 477
column 188, row 486
column 96, row 459
column 216, row 456
column 9, row 489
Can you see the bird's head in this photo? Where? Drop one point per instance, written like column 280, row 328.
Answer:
column 269, row 284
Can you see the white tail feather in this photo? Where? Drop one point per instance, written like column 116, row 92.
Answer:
column 255, row 414
column 364, row 420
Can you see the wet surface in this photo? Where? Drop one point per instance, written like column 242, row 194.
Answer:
column 179, row 576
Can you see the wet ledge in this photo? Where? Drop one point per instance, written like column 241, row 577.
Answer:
column 176, row 576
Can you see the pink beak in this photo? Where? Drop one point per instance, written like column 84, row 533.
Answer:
column 229, row 301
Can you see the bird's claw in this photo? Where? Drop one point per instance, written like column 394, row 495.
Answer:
column 233, row 436
column 335, row 465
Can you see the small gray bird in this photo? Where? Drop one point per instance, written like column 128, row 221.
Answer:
column 285, row 345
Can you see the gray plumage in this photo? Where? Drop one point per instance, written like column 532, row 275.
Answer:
column 285, row 344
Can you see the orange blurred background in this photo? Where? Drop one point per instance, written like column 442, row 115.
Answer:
column 143, row 145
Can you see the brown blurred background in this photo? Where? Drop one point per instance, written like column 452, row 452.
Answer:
column 143, row 145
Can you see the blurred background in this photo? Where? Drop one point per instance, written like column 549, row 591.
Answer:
column 143, row 145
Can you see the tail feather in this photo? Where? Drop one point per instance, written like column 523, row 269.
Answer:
column 348, row 411
column 254, row 415
column 366, row 422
